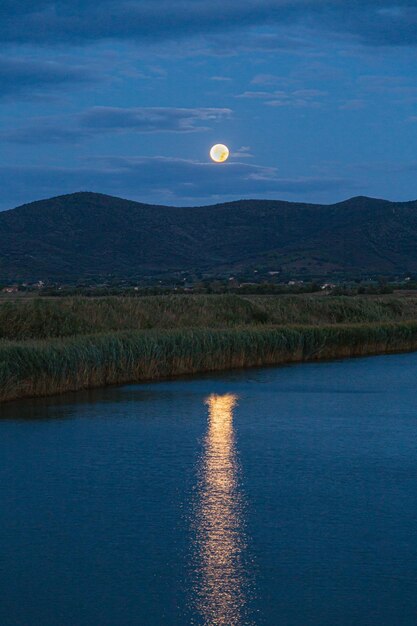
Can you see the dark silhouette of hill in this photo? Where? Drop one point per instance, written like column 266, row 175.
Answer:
column 89, row 235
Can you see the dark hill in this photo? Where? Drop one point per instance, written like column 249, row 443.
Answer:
column 89, row 234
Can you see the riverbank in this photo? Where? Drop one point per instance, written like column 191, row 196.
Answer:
column 55, row 365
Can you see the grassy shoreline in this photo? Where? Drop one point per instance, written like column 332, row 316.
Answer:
column 41, row 318
column 50, row 366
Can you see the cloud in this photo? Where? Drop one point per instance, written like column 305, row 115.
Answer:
column 270, row 80
column 50, row 21
column 244, row 152
column 150, row 119
column 280, row 98
column 141, row 177
column 111, row 120
column 279, row 38
column 256, row 95
column 25, row 76
column 42, row 131
column 375, row 22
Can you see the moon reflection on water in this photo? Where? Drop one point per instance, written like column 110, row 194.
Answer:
column 220, row 590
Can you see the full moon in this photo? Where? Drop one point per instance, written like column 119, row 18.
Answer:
column 219, row 153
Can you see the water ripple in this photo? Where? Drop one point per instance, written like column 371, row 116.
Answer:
column 220, row 590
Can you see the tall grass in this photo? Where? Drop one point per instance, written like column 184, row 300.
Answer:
column 66, row 317
column 51, row 366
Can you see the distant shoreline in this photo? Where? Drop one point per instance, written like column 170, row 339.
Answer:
column 52, row 366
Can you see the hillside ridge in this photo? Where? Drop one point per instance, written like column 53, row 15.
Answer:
column 89, row 235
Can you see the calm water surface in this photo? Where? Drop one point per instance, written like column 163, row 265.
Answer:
column 273, row 497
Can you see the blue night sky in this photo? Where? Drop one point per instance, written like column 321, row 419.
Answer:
column 317, row 99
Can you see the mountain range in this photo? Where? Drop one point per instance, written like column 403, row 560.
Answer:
column 86, row 235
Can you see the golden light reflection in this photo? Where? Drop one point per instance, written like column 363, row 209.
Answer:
column 220, row 596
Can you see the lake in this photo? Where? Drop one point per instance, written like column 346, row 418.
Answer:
column 276, row 497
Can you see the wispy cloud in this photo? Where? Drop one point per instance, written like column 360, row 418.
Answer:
column 244, row 152
column 375, row 22
column 111, row 120
column 161, row 179
column 150, row 119
column 21, row 76
column 271, row 80
column 221, row 79
column 280, row 98
column 40, row 22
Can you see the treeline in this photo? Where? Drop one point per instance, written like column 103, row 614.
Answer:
column 261, row 287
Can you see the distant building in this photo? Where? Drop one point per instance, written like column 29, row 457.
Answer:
column 13, row 289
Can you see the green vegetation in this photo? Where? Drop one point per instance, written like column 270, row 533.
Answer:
column 52, row 345
column 56, row 365
column 65, row 317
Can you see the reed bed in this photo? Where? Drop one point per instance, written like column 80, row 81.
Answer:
column 40, row 318
column 46, row 367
